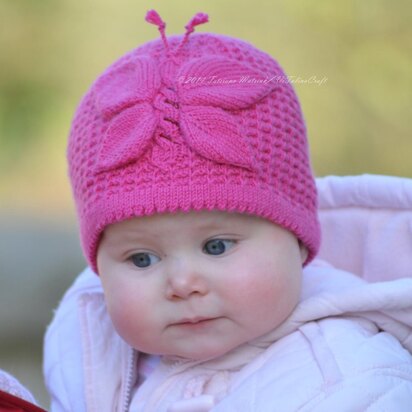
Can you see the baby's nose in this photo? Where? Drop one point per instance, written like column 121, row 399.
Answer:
column 185, row 280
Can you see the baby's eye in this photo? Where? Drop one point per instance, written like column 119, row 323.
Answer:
column 144, row 259
column 217, row 246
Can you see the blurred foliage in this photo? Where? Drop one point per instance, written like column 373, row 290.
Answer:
column 358, row 120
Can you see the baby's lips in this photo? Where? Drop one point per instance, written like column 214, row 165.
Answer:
column 196, row 319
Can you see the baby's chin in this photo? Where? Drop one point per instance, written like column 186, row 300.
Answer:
column 191, row 355
column 198, row 354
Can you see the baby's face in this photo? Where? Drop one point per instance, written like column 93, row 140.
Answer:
column 199, row 284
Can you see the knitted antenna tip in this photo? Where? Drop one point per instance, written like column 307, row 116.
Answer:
column 153, row 17
column 199, row 18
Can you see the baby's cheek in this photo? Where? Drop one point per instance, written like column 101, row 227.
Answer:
column 254, row 284
column 266, row 295
column 129, row 317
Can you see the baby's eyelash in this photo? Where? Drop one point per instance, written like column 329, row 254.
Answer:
column 216, row 247
column 143, row 260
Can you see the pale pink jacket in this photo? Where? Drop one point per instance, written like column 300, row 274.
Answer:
column 345, row 348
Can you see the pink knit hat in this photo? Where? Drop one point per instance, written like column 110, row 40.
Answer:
column 193, row 122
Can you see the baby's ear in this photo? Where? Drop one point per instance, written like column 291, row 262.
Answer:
column 303, row 252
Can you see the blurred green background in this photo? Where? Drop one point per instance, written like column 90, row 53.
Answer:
column 358, row 119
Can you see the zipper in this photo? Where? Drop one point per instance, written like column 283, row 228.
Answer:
column 131, row 371
column 169, row 366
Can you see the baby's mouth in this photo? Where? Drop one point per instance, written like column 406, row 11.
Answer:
column 193, row 321
column 197, row 324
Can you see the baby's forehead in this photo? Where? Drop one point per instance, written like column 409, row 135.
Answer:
column 187, row 228
column 196, row 220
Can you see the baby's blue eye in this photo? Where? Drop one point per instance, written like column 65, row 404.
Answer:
column 217, row 246
column 144, row 259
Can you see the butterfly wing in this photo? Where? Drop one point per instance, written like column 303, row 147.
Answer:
column 127, row 137
column 215, row 135
column 131, row 82
column 221, row 82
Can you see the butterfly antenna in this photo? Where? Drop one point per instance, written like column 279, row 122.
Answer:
column 198, row 18
column 152, row 16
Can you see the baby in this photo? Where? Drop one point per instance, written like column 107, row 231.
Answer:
column 197, row 208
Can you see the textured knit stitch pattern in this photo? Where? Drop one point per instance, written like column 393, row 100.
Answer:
column 144, row 141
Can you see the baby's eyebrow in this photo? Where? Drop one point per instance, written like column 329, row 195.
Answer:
column 124, row 238
column 210, row 226
column 138, row 236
